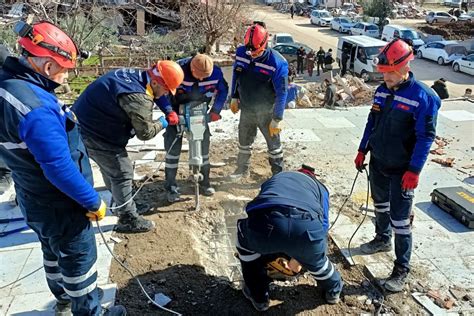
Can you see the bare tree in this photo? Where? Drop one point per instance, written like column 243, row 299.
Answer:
column 212, row 19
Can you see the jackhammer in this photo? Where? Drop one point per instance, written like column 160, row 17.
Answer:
column 193, row 123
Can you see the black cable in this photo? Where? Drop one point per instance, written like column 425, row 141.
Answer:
column 345, row 201
column 131, row 273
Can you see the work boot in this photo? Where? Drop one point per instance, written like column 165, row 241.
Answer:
column 209, row 191
column 5, row 183
column 376, row 245
column 261, row 307
column 333, row 298
column 63, row 306
column 239, row 173
column 173, row 195
column 139, row 224
column 396, row 280
column 117, row 310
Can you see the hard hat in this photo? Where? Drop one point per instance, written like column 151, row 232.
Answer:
column 202, row 65
column 394, row 56
column 256, row 38
column 169, row 72
column 44, row 39
column 308, row 170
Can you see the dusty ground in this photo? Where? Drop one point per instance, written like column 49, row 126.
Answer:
column 449, row 31
column 176, row 258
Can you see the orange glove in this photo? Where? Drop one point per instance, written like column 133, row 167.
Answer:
column 234, row 105
column 98, row 214
column 274, row 128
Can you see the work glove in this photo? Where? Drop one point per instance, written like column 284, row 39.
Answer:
column 172, row 118
column 234, row 105
column 359, row 161
column 410, row 180
column 214, row 117
column 99, row 214
column 164, row 123
column 274, row 128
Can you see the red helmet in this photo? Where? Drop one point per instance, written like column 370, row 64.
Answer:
column 44, row 39
column 256, row 38
column 394, row 56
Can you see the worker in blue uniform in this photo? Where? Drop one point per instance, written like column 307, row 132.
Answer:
column 40, row 143
column 203, row 82
column 116, row 107
column 259, row 90
column 400, row 130
column 290, row 215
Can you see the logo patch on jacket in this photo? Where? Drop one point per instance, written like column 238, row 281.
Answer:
column 238, row 68
column 403, row 107
column 263, row 71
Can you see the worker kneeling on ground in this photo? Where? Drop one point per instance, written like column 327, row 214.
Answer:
column 400, row 130
column 113, row 109
column 202, row 82
column 40, row 143
column 289, row 216
column 259, row 90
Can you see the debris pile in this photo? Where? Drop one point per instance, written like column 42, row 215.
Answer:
column 407, row 11
column 449, row 31
column 351, row 91
column 441, row 142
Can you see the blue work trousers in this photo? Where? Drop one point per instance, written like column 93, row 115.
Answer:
column 172, row 157
column 69, row 251
column 285, row 230
column 392, row 211
column 249, row 123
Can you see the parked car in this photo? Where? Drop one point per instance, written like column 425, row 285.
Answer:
column 320, row 17
column 443, row 52
column 439, row 17
column 282, row 38
column 342, row 25
column 367, row 29
column 392, row 31
column 454, row 3
column 447, row 2
column 464, row 64
column 288, row 51
column 469, row 17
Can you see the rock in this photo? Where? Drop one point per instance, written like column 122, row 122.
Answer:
column 208, row 292
column 190, row 292
column 362, row 298
column 368, row 301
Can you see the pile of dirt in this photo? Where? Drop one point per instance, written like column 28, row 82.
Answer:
column 450, row 31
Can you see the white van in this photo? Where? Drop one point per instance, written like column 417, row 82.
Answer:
column 362, row 50
column 396, row 31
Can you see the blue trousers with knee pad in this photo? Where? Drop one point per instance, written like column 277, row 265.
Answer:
column 285, row 230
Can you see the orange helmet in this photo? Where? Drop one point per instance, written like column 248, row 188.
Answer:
column 256, row 38
column 169, row 73
column 44, row 39
column 394, row 56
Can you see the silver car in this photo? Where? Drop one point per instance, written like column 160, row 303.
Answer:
column 439, row 17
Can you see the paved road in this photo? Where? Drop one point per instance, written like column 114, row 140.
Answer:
column 313, row 36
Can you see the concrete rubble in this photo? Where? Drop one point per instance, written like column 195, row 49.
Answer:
column 351, row 91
